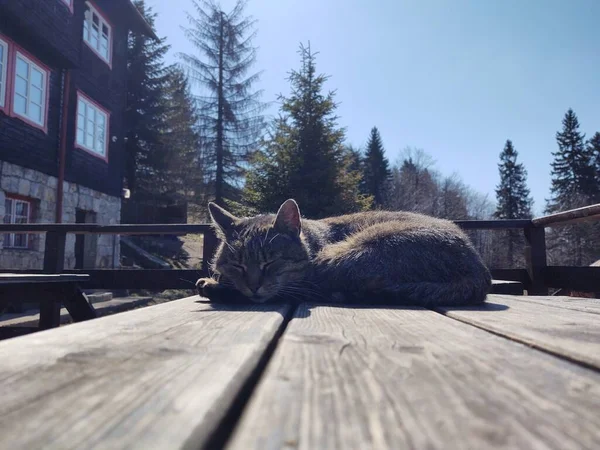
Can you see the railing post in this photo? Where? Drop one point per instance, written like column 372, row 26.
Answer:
column 535, row 257
column 54, row 251
column 209, row 248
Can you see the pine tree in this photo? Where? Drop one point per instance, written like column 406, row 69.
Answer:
column 573, row 186
column 304, row 156
column 593, row 147
column 512, row 194
column 145, row 113
column 513, row 200
column 573, row 183
column 376, row 168
column 229, row 107
column 181, row 142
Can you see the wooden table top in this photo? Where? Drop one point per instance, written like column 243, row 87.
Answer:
column 24, row 278
column 517, row 373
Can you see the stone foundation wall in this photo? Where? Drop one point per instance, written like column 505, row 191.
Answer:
column 41, row 190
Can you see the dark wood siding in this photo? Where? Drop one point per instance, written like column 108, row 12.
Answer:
column 53, row 34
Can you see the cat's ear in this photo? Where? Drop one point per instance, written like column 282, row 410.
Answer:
column 223, row 220
column 288, row 218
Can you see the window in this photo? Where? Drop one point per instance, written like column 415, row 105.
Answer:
column 69, row 3
column 92, row 126
column 97, row 32
column 16, row 211
column 3, row 72
column 30, row 88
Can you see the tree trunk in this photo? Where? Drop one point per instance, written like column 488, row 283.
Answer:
column 219, row 176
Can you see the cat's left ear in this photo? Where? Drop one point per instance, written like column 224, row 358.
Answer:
column 223, row 220
column 288, row 218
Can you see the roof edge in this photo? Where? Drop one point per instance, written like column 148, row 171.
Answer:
column 141, row 22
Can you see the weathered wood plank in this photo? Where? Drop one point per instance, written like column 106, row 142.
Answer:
column 409, row 378
column 566, row 332
column 155, row 378
column 507, row 287
column 588, row 305
column 20, row 278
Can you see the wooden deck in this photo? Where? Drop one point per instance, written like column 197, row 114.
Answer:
column 519, row 373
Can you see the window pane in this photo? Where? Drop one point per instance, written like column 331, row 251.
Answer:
column 37, row 78
column 20, row 105
column 80, row 136
column 20, row 240
column 86, row 30
column 104, row 47
column 21, row 209
column 7, row 210
column 22, row 68
column 36, row 95
column 96, row 20
column 35, row 113
column 21, row 86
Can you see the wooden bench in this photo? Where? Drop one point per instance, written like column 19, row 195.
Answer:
column 519, row 372
column 52, row 291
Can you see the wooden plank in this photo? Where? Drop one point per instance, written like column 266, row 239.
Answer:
column 159, row 377
column 493, row 224
column 568, row 333
column 370, row 378
column 511, row 275
column 576, row 278
column 153, row 279
column 20, row 278
column 558, row 301
column 507, row 287
column 591, row 212
column 82, row 228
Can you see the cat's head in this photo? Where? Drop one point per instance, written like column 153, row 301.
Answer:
column 261, row 256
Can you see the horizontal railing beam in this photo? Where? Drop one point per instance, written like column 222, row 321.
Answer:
column 584, row 214
column 105, row 229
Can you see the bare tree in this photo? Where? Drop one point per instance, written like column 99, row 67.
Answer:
column 230, row 111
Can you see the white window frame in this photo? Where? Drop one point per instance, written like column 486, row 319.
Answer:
column 3, row 73
column 69, row 3
column 28, row 101
column 97, row 109
column 88, row 26
column 9, row 238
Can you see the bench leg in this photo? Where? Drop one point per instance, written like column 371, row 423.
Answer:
column 50, row 312
column 77, row 304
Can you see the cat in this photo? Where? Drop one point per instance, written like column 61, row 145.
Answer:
column 401, row 258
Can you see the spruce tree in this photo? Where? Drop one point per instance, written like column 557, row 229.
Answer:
column 147, row 78
column 376, row 168
column 512, row 194
column 593, row 146
column 229, row 106
column 304, row 156
column 573, row 186
column 513, row 200
column 573, row 183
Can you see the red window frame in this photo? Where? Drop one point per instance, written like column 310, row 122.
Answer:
column 8, row 108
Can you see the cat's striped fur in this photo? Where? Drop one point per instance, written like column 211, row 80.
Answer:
column 374, row 257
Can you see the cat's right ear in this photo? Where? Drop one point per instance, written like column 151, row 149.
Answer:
column 224, row 221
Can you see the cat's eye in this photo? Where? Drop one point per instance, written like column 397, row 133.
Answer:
column 239, row 267
column 266, row 265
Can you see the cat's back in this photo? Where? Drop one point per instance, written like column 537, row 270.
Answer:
column 342, row 226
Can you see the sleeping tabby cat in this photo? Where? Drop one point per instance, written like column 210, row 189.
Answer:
column 375, row 257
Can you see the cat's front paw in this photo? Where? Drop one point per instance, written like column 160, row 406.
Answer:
column 207, row 287
column 217, row 292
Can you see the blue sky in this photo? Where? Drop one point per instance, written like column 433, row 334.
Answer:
column 453, row 77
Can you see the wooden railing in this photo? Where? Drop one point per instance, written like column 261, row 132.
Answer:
column 537, row 277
